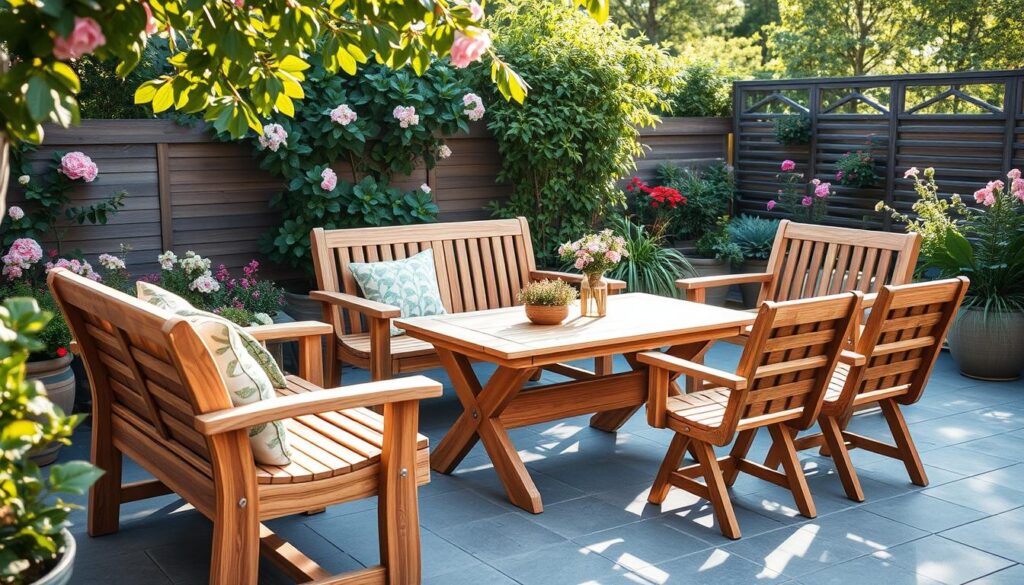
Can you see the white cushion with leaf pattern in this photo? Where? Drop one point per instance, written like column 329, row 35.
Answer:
column 409, row 284
column 246, row 383
column 169, row 301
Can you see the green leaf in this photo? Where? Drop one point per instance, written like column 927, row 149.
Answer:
column 147, row 91
column 39, row 98
column 164, row 98
column 73, row 477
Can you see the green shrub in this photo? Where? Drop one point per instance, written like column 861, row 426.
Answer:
column 856, row 169
column 701, row 89
column 753, row 235
column 650, row 267
column 709, row 194
column 716, row 243
column 563, row 150
column 793, row 130
column 106, row 95
column 548, row 293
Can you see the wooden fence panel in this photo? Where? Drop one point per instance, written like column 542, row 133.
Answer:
column 187, row 191
column 968, row 126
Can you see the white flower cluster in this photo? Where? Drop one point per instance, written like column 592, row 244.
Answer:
column 274, row 135
column 474, row 106
column 406, row 116
column 111, row 262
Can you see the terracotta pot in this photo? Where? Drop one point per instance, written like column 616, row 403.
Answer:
column 713, row 267
column 750, row 292
column 989, row 348
column 59, row 381
column 61, row 573
column 547, row 314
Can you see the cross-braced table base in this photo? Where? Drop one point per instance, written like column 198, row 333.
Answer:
column 491, row 409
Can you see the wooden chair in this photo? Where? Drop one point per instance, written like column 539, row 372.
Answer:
column 900, row 343
column 480, row 265
column 159, row 399
column 780, row 383
column 813, row 260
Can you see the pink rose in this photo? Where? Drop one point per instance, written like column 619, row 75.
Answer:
column 468, row 49
column 16, row 212
column 1013, row 175
column 823, row 189
column 476, row 10
column 806, row 202
column 771, row 204
column 982, row 194
column 76, row 165
column 788, row 165
column 329, row 180
column 150, row 21
column 84, row 38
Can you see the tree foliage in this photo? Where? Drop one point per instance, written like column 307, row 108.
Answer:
column 565, row 148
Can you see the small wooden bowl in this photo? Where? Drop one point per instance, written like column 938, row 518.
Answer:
column 547, row 315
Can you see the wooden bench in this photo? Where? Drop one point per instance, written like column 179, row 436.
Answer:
column 480, row 265
column 812, row 260
column 159, row 399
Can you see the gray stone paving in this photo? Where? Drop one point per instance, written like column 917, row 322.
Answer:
column 966, row 527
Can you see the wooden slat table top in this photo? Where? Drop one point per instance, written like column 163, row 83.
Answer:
column 506, row 335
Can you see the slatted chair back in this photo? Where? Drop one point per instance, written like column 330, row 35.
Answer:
column 789, row 359
column 903, row 336
column 150, row 373
column 480, row 264
column 813, row 261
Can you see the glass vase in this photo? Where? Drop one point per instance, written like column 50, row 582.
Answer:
column 593, row 296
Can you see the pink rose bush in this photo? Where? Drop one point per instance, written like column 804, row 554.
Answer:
column 79, row 267
column 406, row 116
column 274, row 136
column 469, row 48
column 343, row 115
column 794, row 197
column 594, row 254
column 76, row 165
column 23, row 253
column 328, row 179
column 474, row 106
column 85, row 38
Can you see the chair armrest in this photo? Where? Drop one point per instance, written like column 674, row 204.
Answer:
column 573, row 278
column 868, row 300
column 292, row 405
column 698, row 371
column 357, row 304
column 700, row 282
column 280, row 331
column 852, row 358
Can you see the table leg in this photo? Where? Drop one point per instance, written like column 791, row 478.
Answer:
column 480, row 421
column 611, row 420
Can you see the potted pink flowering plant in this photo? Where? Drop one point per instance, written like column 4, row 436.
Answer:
column 593, row 255
column 984, row 242
column 804, row 202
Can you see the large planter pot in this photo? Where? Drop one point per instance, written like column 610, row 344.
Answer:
column 750, row 292
column 713, row 267
column 59, row 381
column 988, row 348
column 61, row 573
column 302, row 307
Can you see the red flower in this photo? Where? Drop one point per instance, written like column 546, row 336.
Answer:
column 52, row 253
column 629, row 187
column 61, row 352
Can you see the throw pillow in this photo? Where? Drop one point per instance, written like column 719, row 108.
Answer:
column 409, row 284
column 169, row 301
column 246, row 382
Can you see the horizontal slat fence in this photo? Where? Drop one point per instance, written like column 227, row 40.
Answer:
column 968, row 126
column 187, row 191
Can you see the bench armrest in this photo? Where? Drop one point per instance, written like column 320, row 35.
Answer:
column 700, row 282
column 284, row 331
column 292, row 405
column 357, row 304
column 697, row 371
column 572, row 278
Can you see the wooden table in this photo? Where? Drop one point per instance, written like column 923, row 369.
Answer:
column 635, row 322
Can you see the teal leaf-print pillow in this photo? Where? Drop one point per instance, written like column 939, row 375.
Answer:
column 171, row 302
column 409, row 284
column 246, row 382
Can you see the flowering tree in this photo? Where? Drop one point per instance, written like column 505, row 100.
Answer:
column 235, row 61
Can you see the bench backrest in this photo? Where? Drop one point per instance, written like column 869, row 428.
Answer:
column 812, row 260
column 150, row 373
column 903, row 336
column 790, row 356
column 480, row 264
